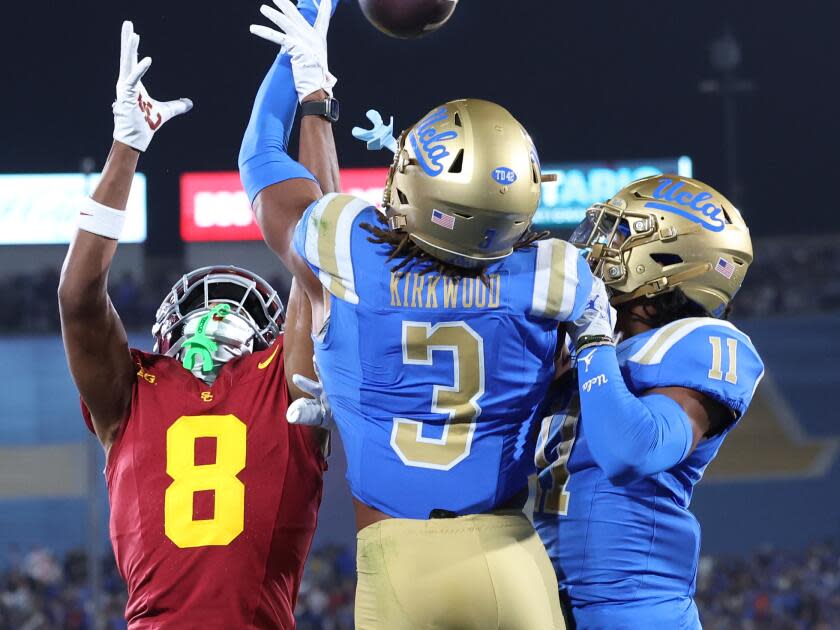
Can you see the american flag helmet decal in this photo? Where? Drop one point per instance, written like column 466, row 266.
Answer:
column 443, row 220
column 725, row 268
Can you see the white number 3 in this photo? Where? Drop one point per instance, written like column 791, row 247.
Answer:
column 716, row 373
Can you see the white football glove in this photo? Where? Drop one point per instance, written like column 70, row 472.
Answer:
column 304, row 43
column 137, row 116
column 310, row 412
column 598, row 318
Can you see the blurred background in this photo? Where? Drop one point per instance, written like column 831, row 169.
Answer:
column 742, row 95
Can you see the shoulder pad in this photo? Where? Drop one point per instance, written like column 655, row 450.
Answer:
column 562, row 281
column 701, row 353
column 323, row 239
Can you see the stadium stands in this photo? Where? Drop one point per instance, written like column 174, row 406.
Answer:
column 781, row 281
column 767, row 589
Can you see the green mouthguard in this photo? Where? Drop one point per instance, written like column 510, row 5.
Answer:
column 200, row 344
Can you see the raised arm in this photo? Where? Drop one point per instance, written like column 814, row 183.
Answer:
column 318, row 155
column 632, row 437
column 94, row 338
column 317, row 147
column 280, row 188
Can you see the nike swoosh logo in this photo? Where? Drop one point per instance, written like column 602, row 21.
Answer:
column 264, row 364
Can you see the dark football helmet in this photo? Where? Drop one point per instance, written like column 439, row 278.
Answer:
column 253, row 321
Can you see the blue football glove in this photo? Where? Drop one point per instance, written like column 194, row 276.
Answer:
column 380, row 137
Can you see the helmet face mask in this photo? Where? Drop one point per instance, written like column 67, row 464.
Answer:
column 464, row 183
column 607, row 233
column 254, row 321
column 664, row 232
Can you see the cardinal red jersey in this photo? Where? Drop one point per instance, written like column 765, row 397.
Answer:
column 214, row 496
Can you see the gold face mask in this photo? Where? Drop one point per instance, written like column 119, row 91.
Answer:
column 465, row 183
column 664, row 232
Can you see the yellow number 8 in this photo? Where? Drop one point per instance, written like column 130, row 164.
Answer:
column 229, row 514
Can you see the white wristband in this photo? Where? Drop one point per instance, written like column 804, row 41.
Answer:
column 102, row 220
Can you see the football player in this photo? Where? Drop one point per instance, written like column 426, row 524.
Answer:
column 621, row 452
column 213, row 495
column 436, row 328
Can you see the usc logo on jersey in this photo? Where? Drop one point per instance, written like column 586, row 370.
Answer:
column 207, row 396
column 149, row 378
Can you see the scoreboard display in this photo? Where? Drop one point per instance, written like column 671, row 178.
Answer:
column 43, row 208
column 215, row 208
column 579, row 185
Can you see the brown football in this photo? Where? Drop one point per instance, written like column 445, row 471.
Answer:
column 407, row 19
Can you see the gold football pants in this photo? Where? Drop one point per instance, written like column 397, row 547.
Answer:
column 479, row 572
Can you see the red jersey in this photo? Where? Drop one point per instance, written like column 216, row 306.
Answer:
column 214, row 496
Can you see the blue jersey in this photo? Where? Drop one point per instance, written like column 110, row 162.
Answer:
column 435, row 383
column 627, row 553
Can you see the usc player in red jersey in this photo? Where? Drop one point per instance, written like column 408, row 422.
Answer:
column 214, row 496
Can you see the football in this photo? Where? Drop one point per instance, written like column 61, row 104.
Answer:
column 407, row 19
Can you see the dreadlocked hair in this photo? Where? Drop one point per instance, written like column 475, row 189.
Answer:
column 412, row 256
column 671, row 306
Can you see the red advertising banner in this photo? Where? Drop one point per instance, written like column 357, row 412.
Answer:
column 215, row 208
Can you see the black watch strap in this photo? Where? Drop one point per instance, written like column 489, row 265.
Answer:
column 589, row 341
column 327, row 108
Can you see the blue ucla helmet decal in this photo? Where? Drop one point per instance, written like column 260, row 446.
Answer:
column 665, row 232
column 504, row 176
column 465, row 183
column 430, row 144
column 672, row 196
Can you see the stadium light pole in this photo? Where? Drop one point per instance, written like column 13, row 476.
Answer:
column 725, row 58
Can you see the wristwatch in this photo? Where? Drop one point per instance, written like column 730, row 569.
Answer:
column 328, row 108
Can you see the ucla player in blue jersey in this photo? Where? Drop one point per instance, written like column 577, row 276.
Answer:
column 620, row 453
column 436, row 329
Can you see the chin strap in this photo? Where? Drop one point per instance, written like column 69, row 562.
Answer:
column 200, row 344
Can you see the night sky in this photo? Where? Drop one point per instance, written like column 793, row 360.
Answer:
column 590, row 80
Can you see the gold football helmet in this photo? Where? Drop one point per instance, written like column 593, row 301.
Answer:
column 465, row 183
column 667, row 231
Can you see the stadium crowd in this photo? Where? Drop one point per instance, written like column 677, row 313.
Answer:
column 771, row 589
column 136, row 301
column 781, row 281
column 767, row 590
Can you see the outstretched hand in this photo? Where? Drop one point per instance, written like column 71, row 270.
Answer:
column 137, row 116
column 380, row 136
column 598, row 319
column 310, row 412
column 306, row 44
